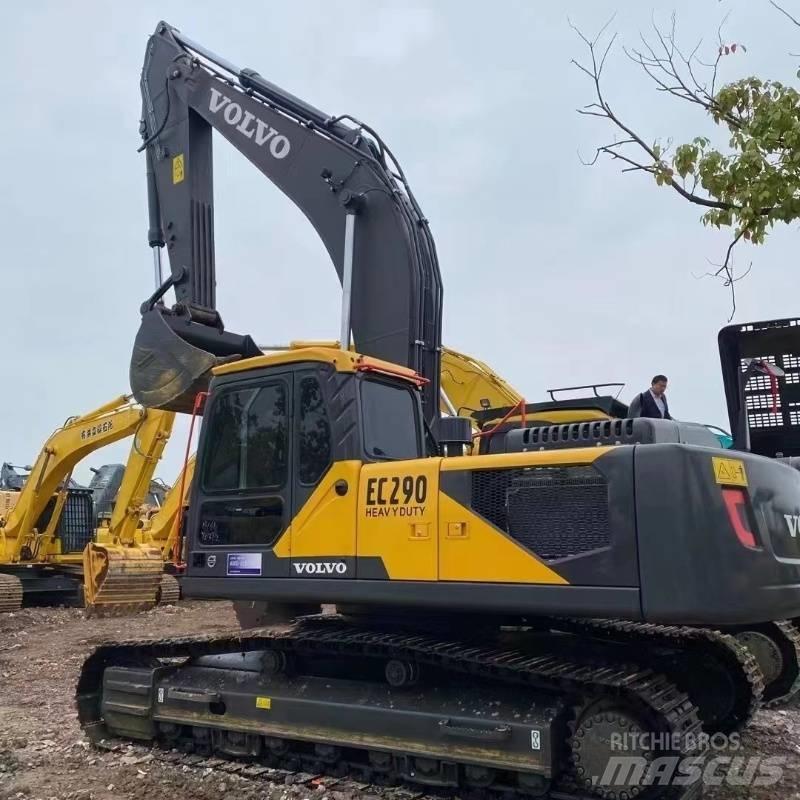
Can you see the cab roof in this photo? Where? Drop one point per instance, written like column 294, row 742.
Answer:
column 340, row 360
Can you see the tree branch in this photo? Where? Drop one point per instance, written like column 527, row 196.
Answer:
column 725, row 271
column 785, row 12
column 600, row 108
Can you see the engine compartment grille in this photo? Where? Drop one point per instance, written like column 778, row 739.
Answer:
column 76, row 526
column 555, row 512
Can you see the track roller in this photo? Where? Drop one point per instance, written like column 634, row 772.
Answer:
column 478, row 776
column 401, row 673
column 276, row 747
column 274, row 662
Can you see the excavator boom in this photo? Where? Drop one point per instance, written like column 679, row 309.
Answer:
column 470, row 385
column 336, row 170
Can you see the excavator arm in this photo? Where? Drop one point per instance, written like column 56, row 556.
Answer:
column 335, row 169
column 163, row 528
column 146, row 450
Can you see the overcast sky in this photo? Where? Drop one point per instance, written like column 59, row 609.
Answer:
column 555, row 273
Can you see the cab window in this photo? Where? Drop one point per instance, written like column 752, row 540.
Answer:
column 247, row 442
column 313, row 433
column 389, row 414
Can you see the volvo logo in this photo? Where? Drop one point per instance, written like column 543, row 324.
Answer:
column 320, row 567
column 793, row 524
column 249, row 124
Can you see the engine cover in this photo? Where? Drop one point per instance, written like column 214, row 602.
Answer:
column 603, row 433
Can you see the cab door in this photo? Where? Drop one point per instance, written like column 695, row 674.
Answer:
column 245, row 491
column 398, row 493
column 322, row 540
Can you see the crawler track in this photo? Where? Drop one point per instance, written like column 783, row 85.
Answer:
column 10, row 593
column 169, row 591
column 719, row 674
column 585, row 690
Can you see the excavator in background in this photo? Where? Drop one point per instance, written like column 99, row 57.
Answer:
column 105, row 484
column 576, row 581
column 48, row 524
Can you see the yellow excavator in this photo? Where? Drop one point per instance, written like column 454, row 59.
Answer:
column 576, row 579
column 46, row 526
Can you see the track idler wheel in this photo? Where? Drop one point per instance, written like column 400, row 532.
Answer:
column 776, row 648
column 10, row 593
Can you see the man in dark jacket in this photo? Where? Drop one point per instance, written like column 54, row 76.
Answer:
column 653, row 402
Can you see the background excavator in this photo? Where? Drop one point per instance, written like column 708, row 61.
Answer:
column 105, row 485
column 50, row 547
column 615, row 576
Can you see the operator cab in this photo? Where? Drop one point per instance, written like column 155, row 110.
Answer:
column 274, row 427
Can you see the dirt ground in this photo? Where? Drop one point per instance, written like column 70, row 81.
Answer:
column 44, row 756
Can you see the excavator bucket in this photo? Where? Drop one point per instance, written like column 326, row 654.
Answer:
column 173, row 357
column 121, row 580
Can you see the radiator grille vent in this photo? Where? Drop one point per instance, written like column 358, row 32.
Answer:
column 555, row 512
column 579, row 434
column 76, row 526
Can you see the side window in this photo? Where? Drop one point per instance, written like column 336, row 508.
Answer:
column 248, row 443
column 390, row 420
column 224, row 443
column 267, row 444
column 314, row 432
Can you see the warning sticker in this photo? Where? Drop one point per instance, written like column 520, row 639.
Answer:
column 178, row 173
column 264, row 702
column 729, row 471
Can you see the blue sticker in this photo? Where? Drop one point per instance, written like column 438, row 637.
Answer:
column 244, row 563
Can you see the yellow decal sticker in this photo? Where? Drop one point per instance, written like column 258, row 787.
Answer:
column 177, row 169
column 264, row 702
column 729, row 471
